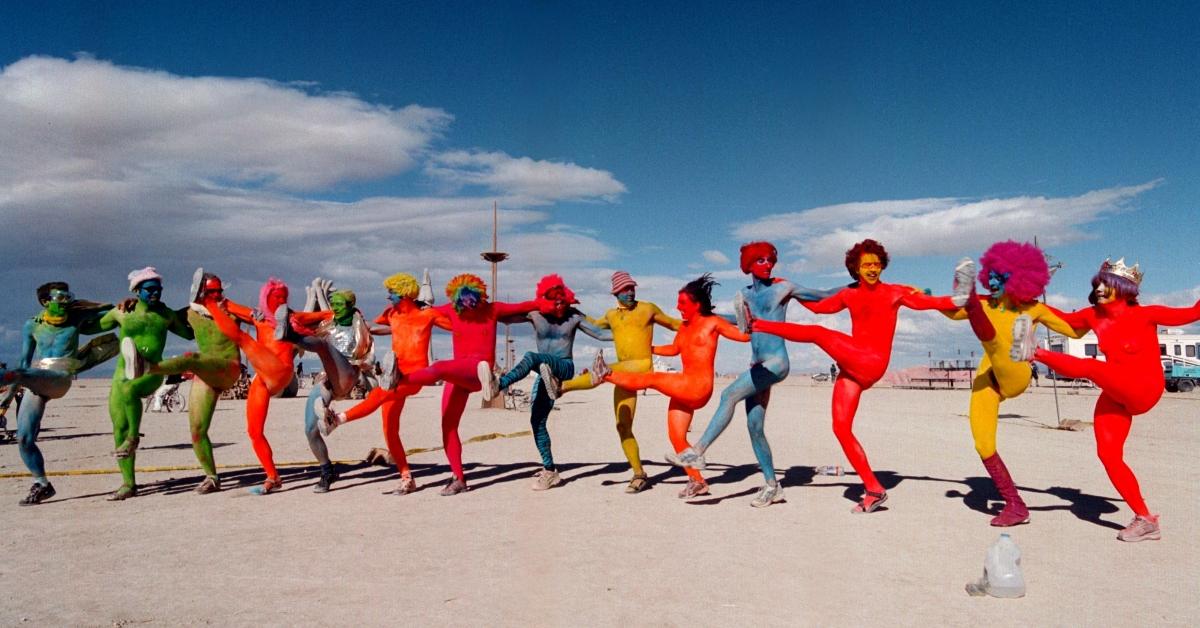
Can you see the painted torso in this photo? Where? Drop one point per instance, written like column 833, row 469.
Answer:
column 633, row 330
column 411, row 331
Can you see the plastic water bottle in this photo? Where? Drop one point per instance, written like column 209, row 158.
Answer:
column 830, row 469
column 1002, row 575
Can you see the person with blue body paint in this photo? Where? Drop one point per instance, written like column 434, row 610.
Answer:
column 50, row 358
column 555, row 336
column 767, row 298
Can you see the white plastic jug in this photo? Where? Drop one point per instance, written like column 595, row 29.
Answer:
column 1002, row 575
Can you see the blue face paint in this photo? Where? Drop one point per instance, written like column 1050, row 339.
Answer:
column 150, row 291
column 394, row 298
column 996, row 283
column 467, row 299
column 627, row 297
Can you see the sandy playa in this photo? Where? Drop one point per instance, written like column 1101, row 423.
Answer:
column 588, row 554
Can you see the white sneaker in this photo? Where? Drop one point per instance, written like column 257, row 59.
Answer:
column 1023, row 341
column 688, row 458
column 600, row 368
column 964, row 281
column 741, row 311
column 551, row 383
column 545, row 479
column 768, row 495
column 487, row 379
column 135, row 365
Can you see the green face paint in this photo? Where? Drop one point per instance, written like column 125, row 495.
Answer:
column 55, row 309
column 343, row 311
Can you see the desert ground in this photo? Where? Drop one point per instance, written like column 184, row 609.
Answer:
column 586, row 553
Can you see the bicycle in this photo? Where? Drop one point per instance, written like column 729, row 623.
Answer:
column 517, row 399
column 167, row 398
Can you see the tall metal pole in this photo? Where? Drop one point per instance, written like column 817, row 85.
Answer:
column 494, row 257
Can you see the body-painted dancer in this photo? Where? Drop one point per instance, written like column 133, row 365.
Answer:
column 216, row 366
column 342, row 340
column 863, row 356
column 632, row 323
column 410, row 327
column 1130, row 377
column 689, row 390
column 473, row 324
column 50, row 359
column 144, row 328
column 555, row 337
column 272, row 361
column 1015, row 274
column 767, row 298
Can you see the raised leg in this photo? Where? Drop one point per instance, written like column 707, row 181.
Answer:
column 276, row 373
column 863, row 366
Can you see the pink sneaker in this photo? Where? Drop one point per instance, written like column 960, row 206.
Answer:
column 1141, row 529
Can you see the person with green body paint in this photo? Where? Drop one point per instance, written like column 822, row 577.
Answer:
column 216, row 365
column 52, row 337
column 341, row 338
column 144, row 324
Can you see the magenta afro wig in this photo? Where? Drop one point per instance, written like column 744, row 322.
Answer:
column 1025, row 265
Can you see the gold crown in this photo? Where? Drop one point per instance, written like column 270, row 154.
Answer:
column 1132, row 273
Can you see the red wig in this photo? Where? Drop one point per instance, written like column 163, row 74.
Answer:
column 862, row 248
column 550, row 282
column 751, row 251
column 1025, row 265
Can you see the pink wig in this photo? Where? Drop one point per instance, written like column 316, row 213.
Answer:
column 550, row 282
column 272, row 284
column 1025, row 265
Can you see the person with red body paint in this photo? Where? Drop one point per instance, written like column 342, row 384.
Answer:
column 272, row 361
column 862, row 356
column 689, row 390
column 410, row 327
column 473, row 324
column 1130, row 377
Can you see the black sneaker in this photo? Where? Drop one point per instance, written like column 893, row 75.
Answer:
column 327, row 480
column 38, row 493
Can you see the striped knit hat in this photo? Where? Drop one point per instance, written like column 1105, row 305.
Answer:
column 621, row 280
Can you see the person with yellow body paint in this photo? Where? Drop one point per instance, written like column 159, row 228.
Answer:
column 632, row 324
column 1015, row 274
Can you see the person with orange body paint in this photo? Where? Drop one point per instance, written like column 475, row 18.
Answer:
column 410, row 326
column 473, row 321
column 863, row 356
column 1130, row 377
column 689, row 390
column 272, row 361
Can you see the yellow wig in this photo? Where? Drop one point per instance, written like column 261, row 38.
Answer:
column 402, row 284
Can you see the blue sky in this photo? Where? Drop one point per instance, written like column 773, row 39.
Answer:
column 613, row 136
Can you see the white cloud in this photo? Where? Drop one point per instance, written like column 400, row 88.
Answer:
column 715, row 257
column 90, row 120
column 936, row 226
column 535, row 181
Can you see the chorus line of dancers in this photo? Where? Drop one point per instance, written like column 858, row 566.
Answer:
column 1003, row 318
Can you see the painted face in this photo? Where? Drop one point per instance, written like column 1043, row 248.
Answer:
column 212, row 289
column 277, row 297
column 150, row 291
column 1105, row 294
column 869, row 268
column 467, row 299
column 996, row 283
column 560, row 301
column 57, row 304
column 394, row 298
column 761, row 268
column 627, row 297
column 341, row 307
column 688, row 308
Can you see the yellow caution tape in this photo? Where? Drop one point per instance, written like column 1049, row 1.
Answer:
column 408, row 452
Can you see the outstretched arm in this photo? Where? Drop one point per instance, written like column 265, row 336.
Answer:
column 179, row 325
column 671, row 349
column 241, row 312
column 664, row 320
column 800, row 293
column 829, row 305
column 514, row 311
column 28, row 343
column 916, row 300
column 1173, row 316
column 595, row 331
column 1073, row 325
column 730, row 331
